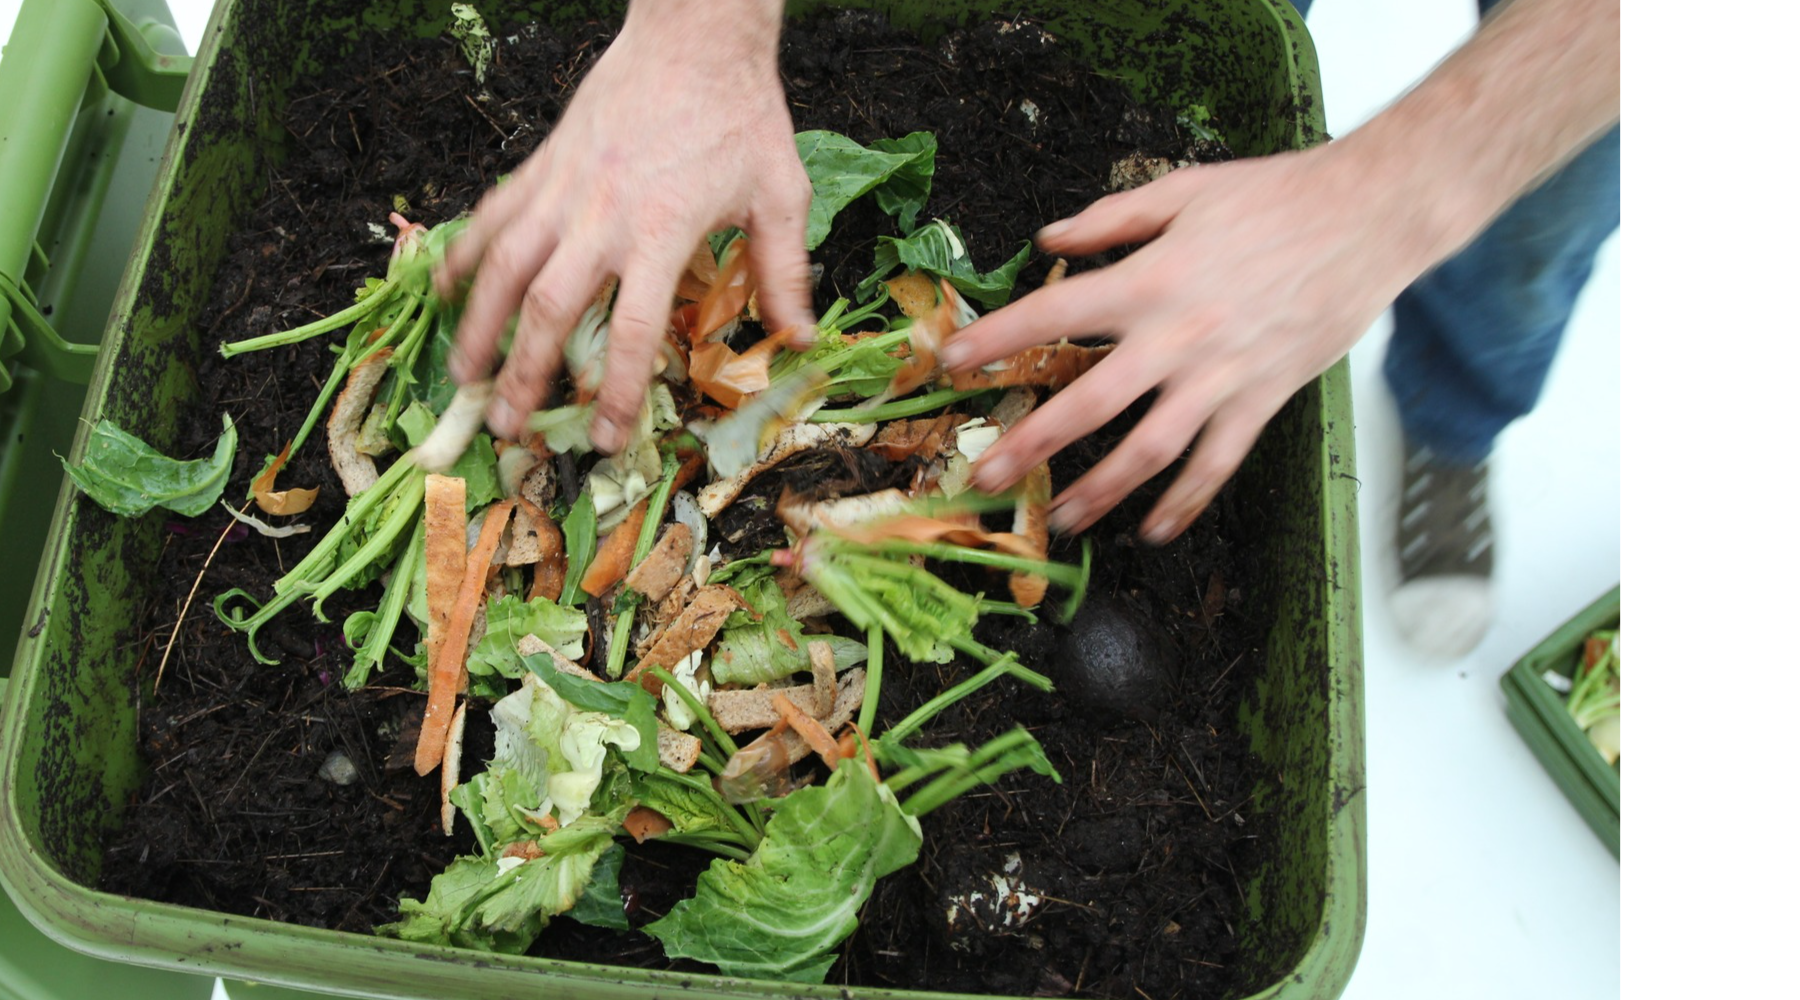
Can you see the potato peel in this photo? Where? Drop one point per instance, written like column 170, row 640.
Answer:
column 1052, row 366
column 355, row 469
column 281, row 502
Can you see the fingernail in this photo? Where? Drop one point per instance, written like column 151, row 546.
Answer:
column 955, row 354
column 459, row 364
column 1161, row 531
column 992, row 474
column 1067, row 517
column 503, row 418
column 1053, row 230
column 606, row 436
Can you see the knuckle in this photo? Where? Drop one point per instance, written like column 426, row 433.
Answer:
column 1160, row 450
column 545, row 306
column 1211, row 468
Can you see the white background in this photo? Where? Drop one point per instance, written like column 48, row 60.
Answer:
column 1483, row 880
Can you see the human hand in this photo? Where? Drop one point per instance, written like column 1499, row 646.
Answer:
column 680, row 129
column 1257, row 276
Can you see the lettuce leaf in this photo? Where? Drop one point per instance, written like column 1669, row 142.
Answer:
column 620, row 700
column 128, row 477
column 510, row 619
column 782, row 914
column 939, row 249
column 755, row 650
column 687, row 808
column 580, row 542
column 602, row 904
column 501, row 905
column 842, row 170
column 904, row 193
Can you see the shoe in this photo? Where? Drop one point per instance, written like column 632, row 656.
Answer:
column 1444, row 603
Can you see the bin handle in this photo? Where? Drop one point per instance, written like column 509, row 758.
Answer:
column 61, row 53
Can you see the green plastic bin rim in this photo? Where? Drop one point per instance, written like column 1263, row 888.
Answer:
column 1558, row 653
column 164, row 935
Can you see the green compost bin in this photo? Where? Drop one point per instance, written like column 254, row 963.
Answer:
column 68, row 754
column 89, row 87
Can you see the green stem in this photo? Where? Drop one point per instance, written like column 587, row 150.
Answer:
column 1062, row 574
column 999, row 665
column 749, row 834
column 982, row 769
column 830, row 319
column 374, row 648
column 353, row 353
column 659, row 504
column 872, row 674
column 1008, row 608
column 722, row 742
column 895, row 410
column 862, row 313
column 398, row 520
column 646, row 540
column 374, row 300
column 720, row 846
column 626, row 607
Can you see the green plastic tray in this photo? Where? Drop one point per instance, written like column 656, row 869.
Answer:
column 68, row 757
column 1538, row 713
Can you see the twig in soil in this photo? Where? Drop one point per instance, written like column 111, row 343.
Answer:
column 1222, row 675
column 351, row 910
column 484, row 117
column 1070, row 902
column 243, row 297
column 253, row 759
column 179, row 618
column 390, row 803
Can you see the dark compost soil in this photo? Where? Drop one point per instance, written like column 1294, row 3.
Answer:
column 1123, row 879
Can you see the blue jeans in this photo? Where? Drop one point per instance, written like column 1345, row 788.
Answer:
column 1474, row 338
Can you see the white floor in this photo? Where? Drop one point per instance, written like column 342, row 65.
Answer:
column 1483, row 881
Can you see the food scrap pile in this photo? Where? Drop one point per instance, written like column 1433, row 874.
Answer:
column 1592, row 694
column 648, row 674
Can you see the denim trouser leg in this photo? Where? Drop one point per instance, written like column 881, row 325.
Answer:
column 1474, row 338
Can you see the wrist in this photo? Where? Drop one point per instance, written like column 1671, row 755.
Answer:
column 1420, row 194
column 715, row 32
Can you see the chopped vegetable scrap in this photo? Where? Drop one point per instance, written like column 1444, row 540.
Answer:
column 1594, row 693
column 611, row 621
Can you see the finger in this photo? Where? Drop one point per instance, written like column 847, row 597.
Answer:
column 498, row 207
column 1227, row 439
column 552, row 305
column 1127, row 217
column 1156, row 442
column 508, row 268
column 1084, row 305
column 778, row 256
column 639, row 319
column 1090, row 401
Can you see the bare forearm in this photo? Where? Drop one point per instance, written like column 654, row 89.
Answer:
column 1537, row 83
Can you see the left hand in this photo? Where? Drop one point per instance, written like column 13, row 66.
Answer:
column 1258, row 275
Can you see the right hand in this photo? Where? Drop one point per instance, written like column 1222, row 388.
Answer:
column 679, row 130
